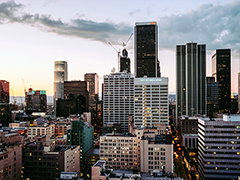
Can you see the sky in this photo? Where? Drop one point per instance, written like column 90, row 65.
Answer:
column 34, row 34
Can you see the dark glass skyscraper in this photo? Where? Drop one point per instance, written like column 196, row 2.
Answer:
column 146, row 49
column 77, row 88
column 4, row 91
column 191, row 79
column 221, row 70
column 93, row 80
column 212, row 96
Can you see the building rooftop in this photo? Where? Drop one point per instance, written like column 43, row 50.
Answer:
column 119, row 135
column 73, row 173
column 93, row 151
column 63, row 148
column 190, row 134
column 99, row 163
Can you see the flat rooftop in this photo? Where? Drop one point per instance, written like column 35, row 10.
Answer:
column 99, row 163
column 93, row 151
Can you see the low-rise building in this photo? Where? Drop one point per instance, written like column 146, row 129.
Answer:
column 42, row 160
column 19, row 124
column 188, row 131
column 91, row 157
column 145, row 150
column 99, row 171
column 42, row 129
column 10, row 156
column 61, row 127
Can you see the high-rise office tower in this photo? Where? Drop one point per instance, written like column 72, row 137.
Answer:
column 77, row 88
column 212, row 96
column 146, row 49
column 151, row 102
column 190, row 79
column 118, row 98
column 221, row 70
column 239, row 91
column 60, row 75
column 93, row 80
column 4, row 91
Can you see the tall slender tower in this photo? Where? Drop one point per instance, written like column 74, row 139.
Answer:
column 60, row 75
column 93, row 80
column 191, row 79
column 4, row 91
column 146, row 49
column 221, row 70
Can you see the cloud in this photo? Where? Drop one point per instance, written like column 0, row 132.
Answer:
column 134, row 12
column 217, row 26
column 10, row 12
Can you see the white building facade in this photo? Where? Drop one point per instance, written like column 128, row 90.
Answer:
column 151, row 101
column 118, row 100
column 143, row 151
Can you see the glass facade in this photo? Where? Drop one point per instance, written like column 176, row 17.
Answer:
column 212, row 96
column 4, row 91
column 191, row 79
column 221, row 70
column 146, row 49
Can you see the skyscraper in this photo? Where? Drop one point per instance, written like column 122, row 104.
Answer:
column 77, row 88
column 60, row 75
column 190, row 79
column 118, row 98
column 212, row 96
column 221, row 70
column 93, row 80
column 4, row 91
column 146, row 49
column 151, row 102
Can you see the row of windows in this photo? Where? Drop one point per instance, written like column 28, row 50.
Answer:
column 155, row 167
column 118, row 155
column 156, row 153
column 156, row 149
column 156, row 158
column 157, row 162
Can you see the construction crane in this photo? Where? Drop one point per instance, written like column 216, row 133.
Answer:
column 118, row 53
column 24, row 87
column 125, row 44
column 25, row 90
column 124, row 50
column 14, row 99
